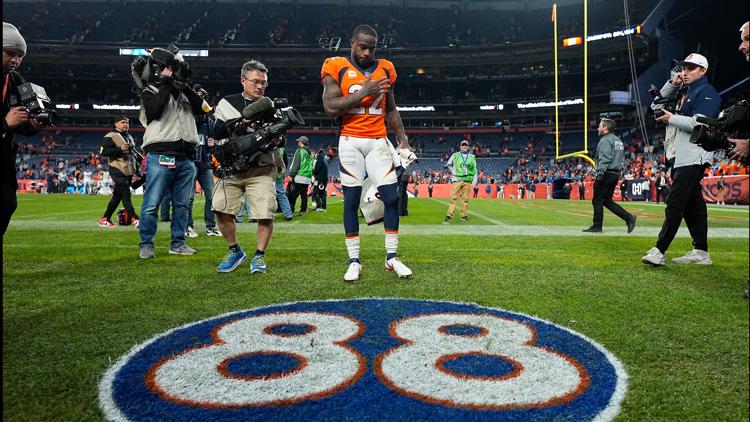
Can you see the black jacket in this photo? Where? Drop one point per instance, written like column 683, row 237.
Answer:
column 320, row 171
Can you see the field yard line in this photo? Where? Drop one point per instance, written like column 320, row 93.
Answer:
column 46, row 215
column 578, row 214
column 480, row 215
column 730, row 208
column 408, row 229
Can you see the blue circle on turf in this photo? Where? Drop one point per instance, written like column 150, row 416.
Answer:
column 462, row 330
column 125, row 396
column 291, row 329
column 260, row 365
column 479, row 365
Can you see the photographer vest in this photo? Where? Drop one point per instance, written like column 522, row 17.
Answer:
column 175, row 124
column 124, row 163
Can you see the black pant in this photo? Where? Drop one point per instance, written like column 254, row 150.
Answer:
column 8, row 204
column 403, row 198
column 604, row 188
column 661, row 194
column 120, row 192
column 319, row 196
column 295, row 190
column 685, row 200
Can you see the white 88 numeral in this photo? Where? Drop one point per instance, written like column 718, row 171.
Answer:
column 540, row 377
column 326, row 364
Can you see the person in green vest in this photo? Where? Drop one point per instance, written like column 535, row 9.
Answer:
column 463, row 166
column 301, row 173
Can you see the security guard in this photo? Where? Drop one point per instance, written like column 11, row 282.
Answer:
column 610, row 156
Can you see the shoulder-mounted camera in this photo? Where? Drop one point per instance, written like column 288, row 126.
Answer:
column 148, row 70
column 34, row 98
column 732, row 122
column 260, row 129
column 667, row 103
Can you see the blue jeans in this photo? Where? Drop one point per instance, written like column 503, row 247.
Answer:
column 175, row 182
column 205, row 178
column 166, row 204
column 282, row 199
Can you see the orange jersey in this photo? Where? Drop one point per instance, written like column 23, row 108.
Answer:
column 367, row 120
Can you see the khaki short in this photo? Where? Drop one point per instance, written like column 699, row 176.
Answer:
column 230, row 192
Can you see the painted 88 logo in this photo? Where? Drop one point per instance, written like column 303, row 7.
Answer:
column 368, row 359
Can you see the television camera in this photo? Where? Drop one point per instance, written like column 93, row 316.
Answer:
column 34, row 98
column 733, row 122
column 148, row 70
column 667, row 103
column 259, row 130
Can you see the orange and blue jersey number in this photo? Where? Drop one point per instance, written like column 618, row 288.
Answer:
column 374, row 108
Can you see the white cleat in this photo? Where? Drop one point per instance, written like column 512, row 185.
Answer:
column 353, row 273
column 395, row 264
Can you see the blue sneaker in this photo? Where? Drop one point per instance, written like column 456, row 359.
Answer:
column 258, row 264
column 232, row 261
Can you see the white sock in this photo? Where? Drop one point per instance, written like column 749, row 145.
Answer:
column 352, row 247
column 391, row 242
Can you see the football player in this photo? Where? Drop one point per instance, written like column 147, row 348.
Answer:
column 358, row 90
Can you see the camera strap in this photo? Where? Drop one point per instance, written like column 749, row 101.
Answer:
column 5, row 86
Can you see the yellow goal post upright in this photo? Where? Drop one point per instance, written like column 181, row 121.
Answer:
column 584, row 152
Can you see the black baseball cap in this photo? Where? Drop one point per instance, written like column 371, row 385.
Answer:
column 121, row 117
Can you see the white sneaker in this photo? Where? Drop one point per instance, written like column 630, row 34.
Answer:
column 654, row 257
column 696, row 256
column 353, row 273
column 395, row 264
column 190, row 232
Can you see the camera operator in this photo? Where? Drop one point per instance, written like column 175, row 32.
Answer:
column 258, row 183
column 168, row 110
column 685, row 199
column 124, row 166
column 740, row 150
column 16, row 119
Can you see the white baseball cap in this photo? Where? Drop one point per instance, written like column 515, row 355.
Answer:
column 696, row 59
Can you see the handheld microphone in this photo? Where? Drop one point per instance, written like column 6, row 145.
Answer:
column 256, row 108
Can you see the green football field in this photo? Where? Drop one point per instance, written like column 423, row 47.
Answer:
column 76, row 297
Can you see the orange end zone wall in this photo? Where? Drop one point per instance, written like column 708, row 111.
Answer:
column 737, row 190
